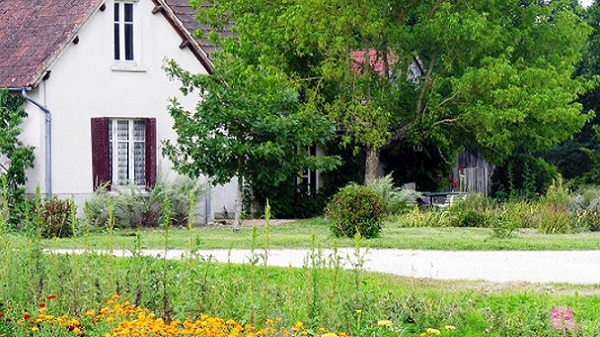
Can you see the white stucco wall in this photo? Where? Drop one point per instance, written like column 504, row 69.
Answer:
column 84, row 84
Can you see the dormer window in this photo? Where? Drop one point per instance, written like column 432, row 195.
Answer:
column 124, row 31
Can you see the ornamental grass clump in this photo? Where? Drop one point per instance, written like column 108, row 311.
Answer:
column 355, row 209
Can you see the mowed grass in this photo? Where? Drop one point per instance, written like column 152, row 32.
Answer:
column 315, row 232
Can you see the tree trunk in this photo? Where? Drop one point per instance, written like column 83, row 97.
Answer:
column 237, row 223
column 371, row 165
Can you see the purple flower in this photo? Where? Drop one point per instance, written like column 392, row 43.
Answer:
column 562, row 319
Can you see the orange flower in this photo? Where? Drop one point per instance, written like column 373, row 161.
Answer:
column 51, row 297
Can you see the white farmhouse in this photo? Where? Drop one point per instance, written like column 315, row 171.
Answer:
column 97, row 96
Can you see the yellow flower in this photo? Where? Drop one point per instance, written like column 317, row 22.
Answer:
column 35, row 329
column 450, row 327
column 385, row 323
column 432, row 331
column 329, row 334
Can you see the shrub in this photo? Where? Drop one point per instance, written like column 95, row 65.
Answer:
column 58, row 218
column 473, row 211
column 554, row 206
column 134, row 208
column 522, row 176
column 355, row 209
column 396, row 201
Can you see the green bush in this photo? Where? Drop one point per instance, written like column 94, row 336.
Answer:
column 522, row 177
column 355, row 209
column 288, row 201
column 474, row 210
column 58, row 218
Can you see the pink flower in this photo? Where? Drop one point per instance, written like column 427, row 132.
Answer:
column 562, row 319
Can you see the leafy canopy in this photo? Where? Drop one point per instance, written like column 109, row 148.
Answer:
column 249, row 122
column 492, row 74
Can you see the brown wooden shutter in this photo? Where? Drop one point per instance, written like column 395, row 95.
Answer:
column 150, row 152
column 100, row 153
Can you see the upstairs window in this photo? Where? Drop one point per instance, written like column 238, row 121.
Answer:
column 124, row 31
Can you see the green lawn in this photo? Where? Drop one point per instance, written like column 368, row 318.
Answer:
column 299, row 234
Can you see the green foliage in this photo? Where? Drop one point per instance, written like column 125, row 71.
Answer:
column 474, row 210
column 250, row 123
column 522, row 176
column 355, row 210
column 585, row 208
column 15, row 157
column 58, row 218
column 133, row 208
column 509, row 85
column 292, row 201
column 395, row 200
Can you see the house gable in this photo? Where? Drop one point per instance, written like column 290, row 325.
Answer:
column 33, row 34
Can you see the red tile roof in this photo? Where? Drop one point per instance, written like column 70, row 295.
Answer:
column 376, row 62
column 33, row 33
column 186, row 16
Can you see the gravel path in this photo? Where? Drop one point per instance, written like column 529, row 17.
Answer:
column 575, row 267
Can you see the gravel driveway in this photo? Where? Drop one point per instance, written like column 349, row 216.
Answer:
column 575, row 267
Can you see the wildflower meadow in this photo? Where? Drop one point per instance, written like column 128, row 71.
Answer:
column 97, row 294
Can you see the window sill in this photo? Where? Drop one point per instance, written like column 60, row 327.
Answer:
column 127, row 67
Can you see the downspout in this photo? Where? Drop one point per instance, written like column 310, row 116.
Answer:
column 47, row 138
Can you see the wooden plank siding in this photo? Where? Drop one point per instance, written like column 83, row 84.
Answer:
column 476, row 171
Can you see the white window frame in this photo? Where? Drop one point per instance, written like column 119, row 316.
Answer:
column 122, row 64
column 114, row 147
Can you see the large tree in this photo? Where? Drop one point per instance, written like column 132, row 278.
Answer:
column 248, row 124
column 492, row 74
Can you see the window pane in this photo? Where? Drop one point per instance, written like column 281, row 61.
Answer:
column 139, row 163
column 139, row 131
column 117, row 7
column 122, row 163
column 128, row 12
column 129, row 41
column 117, row 42
column 122, row 130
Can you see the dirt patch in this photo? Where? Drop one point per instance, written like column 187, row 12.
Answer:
column 260, row 222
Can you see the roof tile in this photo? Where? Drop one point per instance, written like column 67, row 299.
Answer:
column 32, row 33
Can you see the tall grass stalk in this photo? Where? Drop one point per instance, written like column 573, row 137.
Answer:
column 110, row 223
column 164, row 280
column 4, row 212
column 316, row 263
